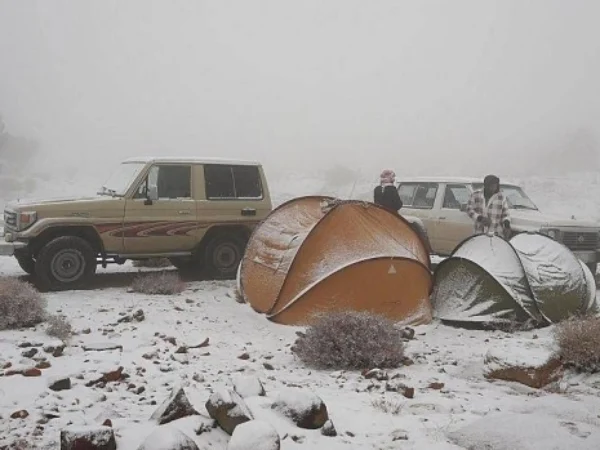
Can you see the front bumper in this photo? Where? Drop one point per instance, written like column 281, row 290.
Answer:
column 9, row 248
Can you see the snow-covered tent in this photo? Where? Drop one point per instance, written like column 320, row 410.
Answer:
column 318, row 254
column 531, row 277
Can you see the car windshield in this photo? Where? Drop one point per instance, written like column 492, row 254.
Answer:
column 120, row 180
column 515, row 196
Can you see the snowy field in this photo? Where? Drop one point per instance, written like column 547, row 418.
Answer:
column 463, row 411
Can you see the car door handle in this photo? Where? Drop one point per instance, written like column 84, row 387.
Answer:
column 442, row 218
column 184, row 211
column 248, row 212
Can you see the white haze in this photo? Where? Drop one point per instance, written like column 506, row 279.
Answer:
column 465, row 87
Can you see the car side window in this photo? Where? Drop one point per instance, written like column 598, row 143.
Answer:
column 232, row 182
column 407, row 193
column 455, row 196
column 169, row 182
column 425, row 195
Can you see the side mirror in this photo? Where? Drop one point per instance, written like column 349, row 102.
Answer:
column 151, row 195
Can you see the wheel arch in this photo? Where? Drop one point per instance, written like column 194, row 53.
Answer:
column 88, row 233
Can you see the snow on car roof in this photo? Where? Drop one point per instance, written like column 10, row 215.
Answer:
column 190, row 160
column 438, row 179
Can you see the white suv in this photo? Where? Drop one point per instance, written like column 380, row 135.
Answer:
column 437, row 207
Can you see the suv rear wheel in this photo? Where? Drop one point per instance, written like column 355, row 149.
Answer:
column 222, row 256
column 66, row 262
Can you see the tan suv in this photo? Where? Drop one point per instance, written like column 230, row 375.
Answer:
column 437, row 208
column 199, row 213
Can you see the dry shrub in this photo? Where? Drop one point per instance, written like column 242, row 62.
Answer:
column 161, row 283
column 387, row 406
column 351, row 340
column 20, row 304
column 578, row 341
column 59, row 327
column 152, row 263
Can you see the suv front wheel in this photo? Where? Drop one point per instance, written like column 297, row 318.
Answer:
column 66, row 262
column 222, row 257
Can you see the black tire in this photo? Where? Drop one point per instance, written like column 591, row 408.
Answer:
column 26, row 262
column 223, row 255
column 593, row 267
column 67, row 262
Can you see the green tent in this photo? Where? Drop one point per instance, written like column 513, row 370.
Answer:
column 489, row 281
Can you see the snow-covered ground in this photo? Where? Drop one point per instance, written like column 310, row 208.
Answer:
column 468, row 412
column 466, row 408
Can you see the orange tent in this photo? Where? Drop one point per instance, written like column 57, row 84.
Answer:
column 318, row 254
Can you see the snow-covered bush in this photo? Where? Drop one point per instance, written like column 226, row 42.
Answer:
column 158, row 283
column 152, row 263
column 578, row 342
column 20, row 304
column 351, row 340
column 388, row 406
column 59, row 327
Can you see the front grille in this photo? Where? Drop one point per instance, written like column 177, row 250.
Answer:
column 580, row 240
column 10, row 219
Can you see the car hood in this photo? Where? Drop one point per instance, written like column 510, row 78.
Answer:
column 36, row 203
column 537, row 219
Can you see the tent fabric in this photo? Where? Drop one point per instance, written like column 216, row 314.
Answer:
column 531, row 277
column 318, row 254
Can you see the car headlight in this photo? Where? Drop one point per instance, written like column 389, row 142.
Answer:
column 26, row 219
column 551, row 233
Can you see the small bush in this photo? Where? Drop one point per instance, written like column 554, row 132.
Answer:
column 392, row 407
column 20, row 304
column 152, row 263
column 162, row 283
column 578, row 342
column 351, row 340
column 59, row 327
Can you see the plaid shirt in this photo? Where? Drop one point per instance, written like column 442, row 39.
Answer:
column 496, row 210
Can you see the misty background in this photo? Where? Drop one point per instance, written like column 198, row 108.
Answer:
column 342, row 88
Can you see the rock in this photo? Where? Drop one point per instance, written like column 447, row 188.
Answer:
column 377, row 374
column 139, row 315
column 519, row 368
column 244, row 356
column 254, row 435
column 22, row 414
column 181, row 350
column 399, row 435
column 125, row 319
column 329, row 429
column 7, row 365
column 306, row 410
column 107, row 423
column 408, row 333
column 30, row 353
column 175, row 407
column 436, row 386
column 168, row 438
column 396, row 386
column 33, row 372
column 55, row 350
column 228, row 409
column 248, row 386
column 86, row 331
column 102, row 347
column 87, row 438
column 60, row 384
column 204, row 343
column 25, row 344
column 171, row 340
column 43, row 365
column 268, row 366
column 109, row 377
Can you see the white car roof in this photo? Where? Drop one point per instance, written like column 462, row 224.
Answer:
column 459, row 180
column 190, row 160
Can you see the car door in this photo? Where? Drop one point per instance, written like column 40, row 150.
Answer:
column 232, row 194
column 418, row 200
column 453, row 224
column 161, row 216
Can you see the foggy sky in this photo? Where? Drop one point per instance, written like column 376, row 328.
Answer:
column 418, row 86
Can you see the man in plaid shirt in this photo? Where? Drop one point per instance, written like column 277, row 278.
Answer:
column 489, row 209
